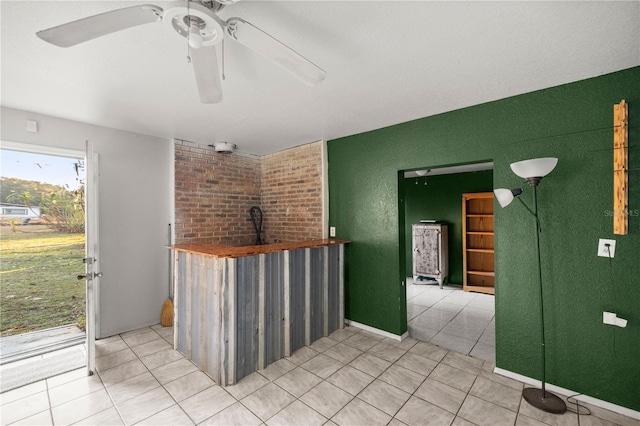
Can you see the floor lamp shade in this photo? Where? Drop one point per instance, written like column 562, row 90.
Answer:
column 506, row 196
column 535, row 169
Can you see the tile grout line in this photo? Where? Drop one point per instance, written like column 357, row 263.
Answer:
column 481, row 334
column 46, row 383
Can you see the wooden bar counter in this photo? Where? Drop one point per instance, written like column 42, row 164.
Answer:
column 238, row 309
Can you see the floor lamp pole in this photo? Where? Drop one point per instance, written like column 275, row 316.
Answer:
column 542, row 340
column 540, row 398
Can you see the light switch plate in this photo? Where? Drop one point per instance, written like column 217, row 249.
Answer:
column 609, row 318
column 605, row 251
column 332, row 231
column 32, row 126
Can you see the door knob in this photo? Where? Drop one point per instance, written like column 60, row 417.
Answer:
column 90, row 276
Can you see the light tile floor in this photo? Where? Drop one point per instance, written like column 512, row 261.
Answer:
column 451, row 318
column 352, row 377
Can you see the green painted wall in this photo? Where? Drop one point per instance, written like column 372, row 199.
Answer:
column 441, row 199
column 572, row 122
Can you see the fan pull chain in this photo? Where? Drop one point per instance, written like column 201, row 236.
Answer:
column 223, row 76
column 188, row 35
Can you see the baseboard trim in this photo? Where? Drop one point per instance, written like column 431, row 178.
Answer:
column 377, row 330
column 566, row 392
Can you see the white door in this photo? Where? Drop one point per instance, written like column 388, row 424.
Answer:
column 92, row 259
column 92, row 274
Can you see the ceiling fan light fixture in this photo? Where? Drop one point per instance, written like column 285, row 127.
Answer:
column 181, row 19
column 195, row 39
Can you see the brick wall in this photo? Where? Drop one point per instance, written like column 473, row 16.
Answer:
column 214, row 192
column 213, row 195
column 291, row 193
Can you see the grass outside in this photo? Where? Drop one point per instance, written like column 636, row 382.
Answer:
column 38, row 284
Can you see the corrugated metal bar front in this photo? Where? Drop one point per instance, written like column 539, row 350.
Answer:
column 198, row 290
column 247, row 313
column 334, row 302
column 297, row 298
column 228, row 326
column 209, row 304
column 316, row 318
column 274, row 307
column 235, row 316
column 179, row 293
column 197, row 273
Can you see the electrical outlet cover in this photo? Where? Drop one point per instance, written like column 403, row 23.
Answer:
column 605, row 251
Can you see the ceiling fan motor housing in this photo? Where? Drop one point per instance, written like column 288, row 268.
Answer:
column 180, row 16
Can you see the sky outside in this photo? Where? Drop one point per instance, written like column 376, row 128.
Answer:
column 38, row 167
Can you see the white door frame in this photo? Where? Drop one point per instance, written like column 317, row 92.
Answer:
column 91, row 183
column 92, row 256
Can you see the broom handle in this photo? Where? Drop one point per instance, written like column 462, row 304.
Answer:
column 170, row 266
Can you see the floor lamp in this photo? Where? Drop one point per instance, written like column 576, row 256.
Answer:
column 533, row 171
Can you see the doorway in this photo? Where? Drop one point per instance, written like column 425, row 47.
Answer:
column 43, row 318
column 449, row 317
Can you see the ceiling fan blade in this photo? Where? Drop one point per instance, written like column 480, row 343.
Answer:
column 205, row 65
column 267, row 46
column 95, row 26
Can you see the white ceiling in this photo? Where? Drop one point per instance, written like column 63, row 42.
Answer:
column 387, row 62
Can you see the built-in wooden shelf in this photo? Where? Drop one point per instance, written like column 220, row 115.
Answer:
column 478, row 289
column 477, row 241
column 483, row 273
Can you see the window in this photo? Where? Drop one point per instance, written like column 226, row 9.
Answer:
column 14, row 210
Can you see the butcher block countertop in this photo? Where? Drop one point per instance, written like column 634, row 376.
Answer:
column 242, row 251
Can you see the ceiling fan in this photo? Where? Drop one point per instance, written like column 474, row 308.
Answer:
column 197, row 21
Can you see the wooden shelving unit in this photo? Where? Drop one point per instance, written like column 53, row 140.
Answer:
column 477, row 242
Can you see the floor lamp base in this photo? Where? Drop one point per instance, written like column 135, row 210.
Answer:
column 546, row 402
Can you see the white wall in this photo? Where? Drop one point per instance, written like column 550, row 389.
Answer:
column 134, row 171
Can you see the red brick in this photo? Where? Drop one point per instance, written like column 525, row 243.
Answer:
column 216, row 191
